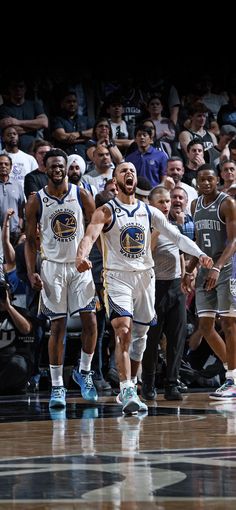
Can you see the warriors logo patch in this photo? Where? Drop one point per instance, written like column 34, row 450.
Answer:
column 132, row 241
column 63, row 225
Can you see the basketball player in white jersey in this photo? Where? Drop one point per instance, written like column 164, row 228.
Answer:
column 58, row 210
column 214, row 215
column 125, row 227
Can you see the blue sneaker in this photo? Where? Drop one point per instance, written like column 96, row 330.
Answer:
column 143, row 408
column 85, row 381
column 58, row 397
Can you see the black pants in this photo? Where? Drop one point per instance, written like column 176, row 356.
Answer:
column 97, row 361
column 171, row 316
column 14, row 373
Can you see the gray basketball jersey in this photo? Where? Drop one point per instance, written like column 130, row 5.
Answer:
column 210, row 228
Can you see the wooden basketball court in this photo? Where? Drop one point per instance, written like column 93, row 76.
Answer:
column 178, row 456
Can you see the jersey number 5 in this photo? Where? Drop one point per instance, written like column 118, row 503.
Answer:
column 207, row 240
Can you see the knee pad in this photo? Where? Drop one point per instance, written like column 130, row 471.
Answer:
column 138, row 342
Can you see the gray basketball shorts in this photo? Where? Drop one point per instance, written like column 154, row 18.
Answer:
column 221, row 299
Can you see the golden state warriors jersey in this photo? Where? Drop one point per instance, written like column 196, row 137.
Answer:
column 61, row 224
column 126, row 241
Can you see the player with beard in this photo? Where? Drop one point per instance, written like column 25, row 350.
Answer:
column 124, row 224
column 59, row 209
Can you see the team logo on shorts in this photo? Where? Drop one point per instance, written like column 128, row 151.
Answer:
column 64, row 225
column 132, row 241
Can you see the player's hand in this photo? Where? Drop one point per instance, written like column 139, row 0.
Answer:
column 36, row 282
column 82, row 264
column 205, row 261
column 212, row 279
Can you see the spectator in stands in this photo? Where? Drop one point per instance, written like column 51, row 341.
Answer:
column 11, row 197
column 174, row 175
column 38, row 178
column 148, row 161
column 102, row 135
column 22, row 163
column 120, row 130
column 26, row 116
column 70, row 130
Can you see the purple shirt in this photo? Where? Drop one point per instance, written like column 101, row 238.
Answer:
column 151, row 164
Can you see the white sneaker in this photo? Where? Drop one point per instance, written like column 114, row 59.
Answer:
column 226, row 392
column 142, row 406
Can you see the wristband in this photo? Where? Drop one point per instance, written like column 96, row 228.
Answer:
column 109, row 145
column 215, row 269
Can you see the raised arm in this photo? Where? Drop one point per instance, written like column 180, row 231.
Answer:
column 183, row 242
column 100, row 217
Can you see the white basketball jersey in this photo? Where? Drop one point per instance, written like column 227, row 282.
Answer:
column 126, row 241
column 61, row 225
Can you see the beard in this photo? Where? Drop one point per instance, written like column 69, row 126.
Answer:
column 12, row 144
column 124, row 190
column 74, row 178
column 57, row 182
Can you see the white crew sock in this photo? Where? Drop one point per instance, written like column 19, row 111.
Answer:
column 126, row 384
column 231, row 374
column 56, row 372
column 85, row 361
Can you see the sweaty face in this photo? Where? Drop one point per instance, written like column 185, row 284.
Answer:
column 56, row 169
column 126, row 178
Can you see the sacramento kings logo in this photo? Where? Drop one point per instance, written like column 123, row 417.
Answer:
column 132, row 240
column 64, row 225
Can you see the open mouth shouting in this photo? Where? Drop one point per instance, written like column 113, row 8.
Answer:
column 129, row 180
